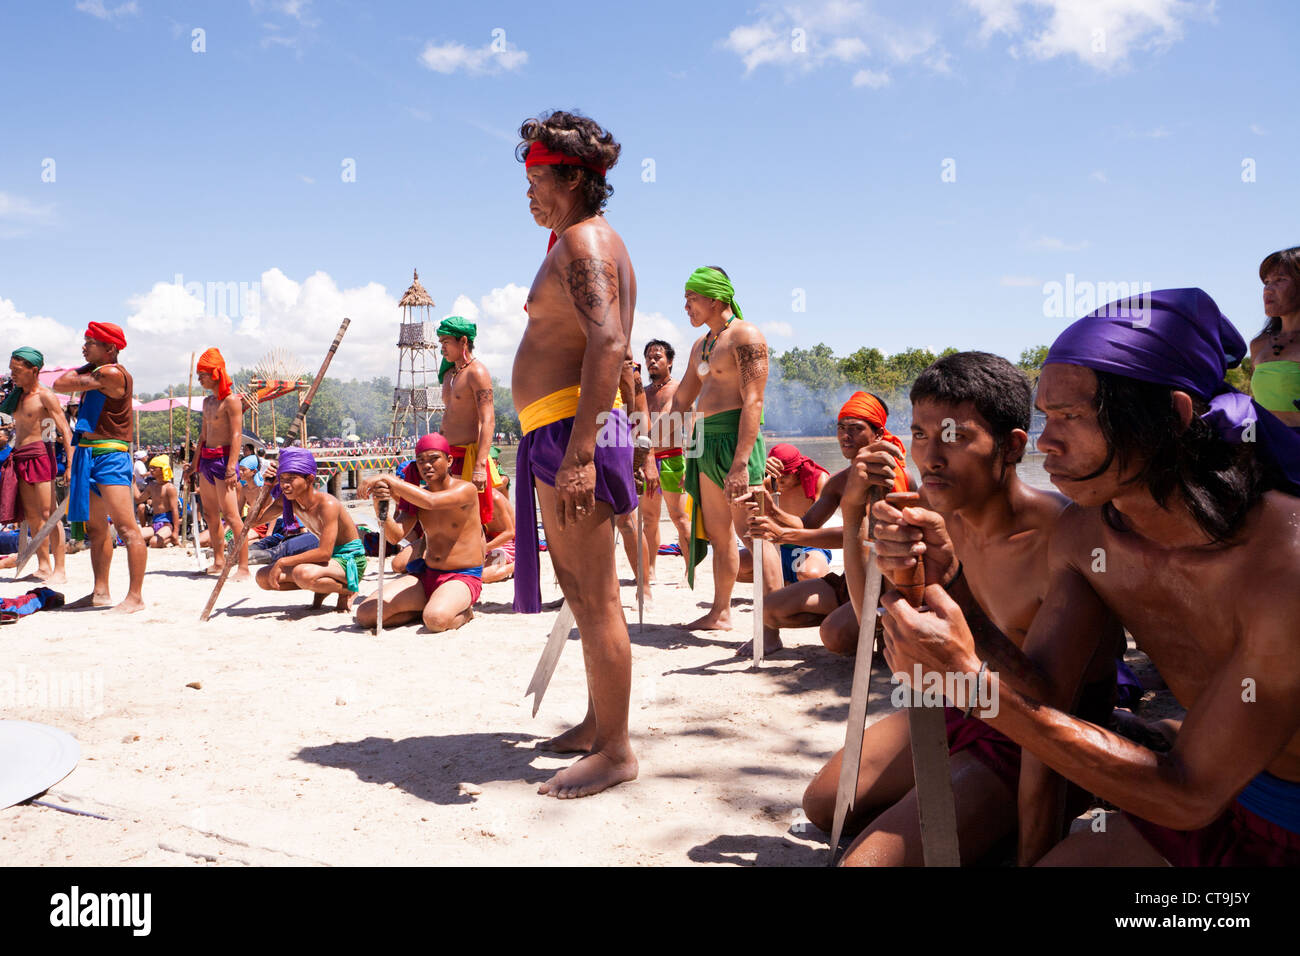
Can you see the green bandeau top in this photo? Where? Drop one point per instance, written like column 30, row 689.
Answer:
column 1276, row 385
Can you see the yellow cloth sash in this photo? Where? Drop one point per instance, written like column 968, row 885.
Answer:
column 471, row 459
column 102, row 446
column 552, row 408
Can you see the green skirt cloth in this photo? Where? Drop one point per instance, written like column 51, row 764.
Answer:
column 352, row 557
column 713, row 449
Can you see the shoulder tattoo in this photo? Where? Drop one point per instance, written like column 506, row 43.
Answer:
column 483, row 397
column 593, row 285
column 752, row 360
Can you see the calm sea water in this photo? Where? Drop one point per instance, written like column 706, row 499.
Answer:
column 826, row 452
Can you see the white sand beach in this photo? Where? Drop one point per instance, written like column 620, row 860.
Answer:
column 312, row 742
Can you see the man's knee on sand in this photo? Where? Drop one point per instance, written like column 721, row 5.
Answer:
column 839, row 633
column 442, row 619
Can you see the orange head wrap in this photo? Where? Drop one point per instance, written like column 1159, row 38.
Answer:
column 868, row 408
column 212, row 363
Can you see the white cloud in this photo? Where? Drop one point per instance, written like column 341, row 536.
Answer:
column 1099, row 175
column 783, row 330
column 450, row 57
column 19, row 215
column 875, row 79
column 1258, row 130
column 96, row 8
column 802, row 37
column 1100, row 33
column 1019, row 282
column 60, row 344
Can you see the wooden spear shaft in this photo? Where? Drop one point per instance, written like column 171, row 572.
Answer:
column 265, row 493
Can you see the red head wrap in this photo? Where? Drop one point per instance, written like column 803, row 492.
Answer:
column 795, row 463
column 868, row 408
column 539, row 154
column 433, row 442
column 107, row 333
column 213, row 364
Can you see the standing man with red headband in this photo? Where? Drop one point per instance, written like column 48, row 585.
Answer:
column 217, row 465
column 100, row 487
column 566, row 371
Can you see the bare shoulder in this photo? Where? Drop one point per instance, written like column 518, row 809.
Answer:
column 478, row 377
column 232, row 403
column 1041, row 508
column 592, row 238
column 745, row 333
column 1076, row 533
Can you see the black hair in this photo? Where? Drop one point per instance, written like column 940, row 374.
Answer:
column 1219, row 481
column 999, row 391
column 576, row 135
column 669, row 352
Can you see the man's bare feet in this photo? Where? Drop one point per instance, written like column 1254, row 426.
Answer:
column 242, row 574
column 317, row 601
column 713, row 621
column 94, row 599
column 213, row 569
column 592, row 774
column 129, row 606
column 345, row 600
column 577, row 740
column 770, row 646
column 57, row 577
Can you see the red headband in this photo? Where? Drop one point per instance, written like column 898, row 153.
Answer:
column 107, row 333
column 433, row 442
column 539, row 154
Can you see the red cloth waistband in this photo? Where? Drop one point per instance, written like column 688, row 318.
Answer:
column 206, row 452
column 668, row 453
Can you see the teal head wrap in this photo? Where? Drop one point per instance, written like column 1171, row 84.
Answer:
column 32, row 357
column 713, row 284
column 455, row 326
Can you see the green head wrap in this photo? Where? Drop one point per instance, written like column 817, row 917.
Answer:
column 713, row 284
column 31, row 357
column 455, row 326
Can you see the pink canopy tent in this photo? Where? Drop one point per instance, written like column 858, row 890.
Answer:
column 48, row 375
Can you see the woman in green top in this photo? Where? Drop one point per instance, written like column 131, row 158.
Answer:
column 1275, row 352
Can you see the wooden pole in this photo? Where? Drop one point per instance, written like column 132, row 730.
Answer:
column 238, row 543
column 171, row 419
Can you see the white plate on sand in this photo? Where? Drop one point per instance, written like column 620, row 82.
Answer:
column 33, row 758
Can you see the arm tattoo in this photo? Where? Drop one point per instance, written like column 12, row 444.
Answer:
column 752, row 360
column 593, row 285
column 483, row 397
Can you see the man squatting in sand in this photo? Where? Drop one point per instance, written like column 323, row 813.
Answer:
column 727, row 372
column 163, row 517
column 1184, row 526
column 216, row 464
column 985, row 534
column 469, row 418
column 670, row 462
column 565, row 374
column 441, row 587
column 37, row 416
column 101, row 466
column 823, row 602
column 338, row 561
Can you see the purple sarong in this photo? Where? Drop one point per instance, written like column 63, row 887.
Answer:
column 540, row 455
column 212, row 463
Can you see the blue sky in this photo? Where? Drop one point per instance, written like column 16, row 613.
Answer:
column 801, row 146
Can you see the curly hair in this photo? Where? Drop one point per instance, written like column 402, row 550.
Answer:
column 579, row 136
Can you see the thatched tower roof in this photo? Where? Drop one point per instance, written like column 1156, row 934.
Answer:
column 416, row 294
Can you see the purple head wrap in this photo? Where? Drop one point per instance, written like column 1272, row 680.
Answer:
column 1179, row 338
column 293, row 461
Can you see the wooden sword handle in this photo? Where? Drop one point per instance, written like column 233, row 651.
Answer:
column 909, row 582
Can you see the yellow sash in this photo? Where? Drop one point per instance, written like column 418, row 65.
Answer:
column 552, row 408
column 471, row 459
